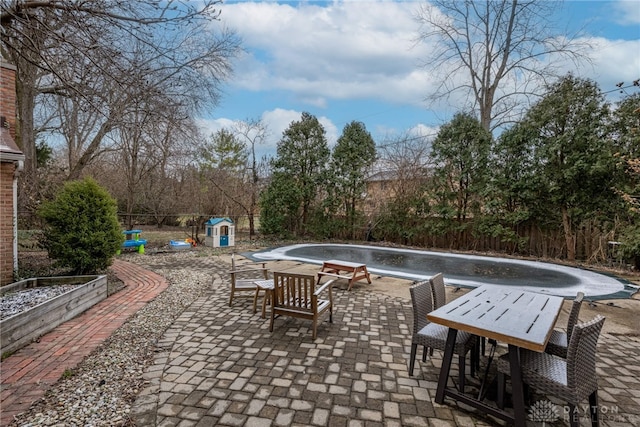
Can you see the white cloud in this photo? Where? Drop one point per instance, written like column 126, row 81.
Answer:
column 338, row 50
column 419, row 132
column 276, row 121
column 316, row 101
column 315, row 53
column 627, row 12
column 332, row 131
column 346, row 50
column 423, row 130
column 611, row 63
column 211, row 126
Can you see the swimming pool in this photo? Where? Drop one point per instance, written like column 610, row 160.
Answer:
column 460, row 269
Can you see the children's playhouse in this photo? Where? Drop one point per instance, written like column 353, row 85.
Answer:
column 220, row 232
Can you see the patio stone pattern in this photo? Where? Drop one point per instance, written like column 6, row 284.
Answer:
column 220, row 365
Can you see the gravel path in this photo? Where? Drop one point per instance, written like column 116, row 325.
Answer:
column 100, row 391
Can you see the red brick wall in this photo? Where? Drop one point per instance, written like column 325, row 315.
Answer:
column 8, row 110
column 8, row 96
column 6, row 222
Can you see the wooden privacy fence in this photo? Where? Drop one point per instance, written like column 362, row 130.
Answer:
column 592, row 243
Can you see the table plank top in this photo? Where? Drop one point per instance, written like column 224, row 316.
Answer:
column 338, row 262
column 509, row 315
column 264, row 284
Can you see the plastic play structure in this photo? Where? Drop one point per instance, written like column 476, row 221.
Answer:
column 220, row 232
column 178, row 245
column 133, row 240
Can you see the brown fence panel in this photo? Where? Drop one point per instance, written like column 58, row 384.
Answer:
column 591, row 242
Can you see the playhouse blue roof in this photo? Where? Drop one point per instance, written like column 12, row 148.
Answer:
column 215, row 221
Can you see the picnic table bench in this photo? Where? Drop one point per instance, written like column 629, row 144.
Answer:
column 350, row 271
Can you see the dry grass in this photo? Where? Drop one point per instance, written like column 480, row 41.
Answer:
column 34, row 262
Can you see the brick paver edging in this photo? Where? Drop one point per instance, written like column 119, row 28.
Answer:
column 31, row 371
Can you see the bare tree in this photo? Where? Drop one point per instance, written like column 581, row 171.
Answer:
column 396, row 194
column 497, row 54
column 149, row 139
column 101, row 55
column 252, row 132
column 405, row 165
column 230, row 161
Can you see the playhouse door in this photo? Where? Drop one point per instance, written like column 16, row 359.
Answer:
column 224, row 235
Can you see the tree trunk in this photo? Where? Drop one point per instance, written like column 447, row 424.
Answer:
column 29, row 184
column 251, row 213
column 26, row 134
column 252, row 226
column 568, row 235
column 252, row 208
column 75, row 171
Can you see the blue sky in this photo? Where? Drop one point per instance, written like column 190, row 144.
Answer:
column 358, row 60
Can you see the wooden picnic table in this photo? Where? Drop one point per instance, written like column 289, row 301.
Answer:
column 350, row 271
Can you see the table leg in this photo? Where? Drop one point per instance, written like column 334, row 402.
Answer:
column 255, row 299
column 267, row 295
column 353, row 280
column 446, row 365
column 519, row 414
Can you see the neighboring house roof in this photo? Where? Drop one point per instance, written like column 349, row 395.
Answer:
column 216, row 221
column 383, row 176
column 9, row 151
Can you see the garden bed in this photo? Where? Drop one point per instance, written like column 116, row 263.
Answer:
column 18, row 330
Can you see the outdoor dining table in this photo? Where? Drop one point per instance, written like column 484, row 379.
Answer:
column 521, row 319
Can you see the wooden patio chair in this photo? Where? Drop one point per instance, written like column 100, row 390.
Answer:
column 244, row 277
column 295, row 295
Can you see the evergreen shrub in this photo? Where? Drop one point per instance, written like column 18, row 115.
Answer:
column 81, row 229
column 630, row 247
